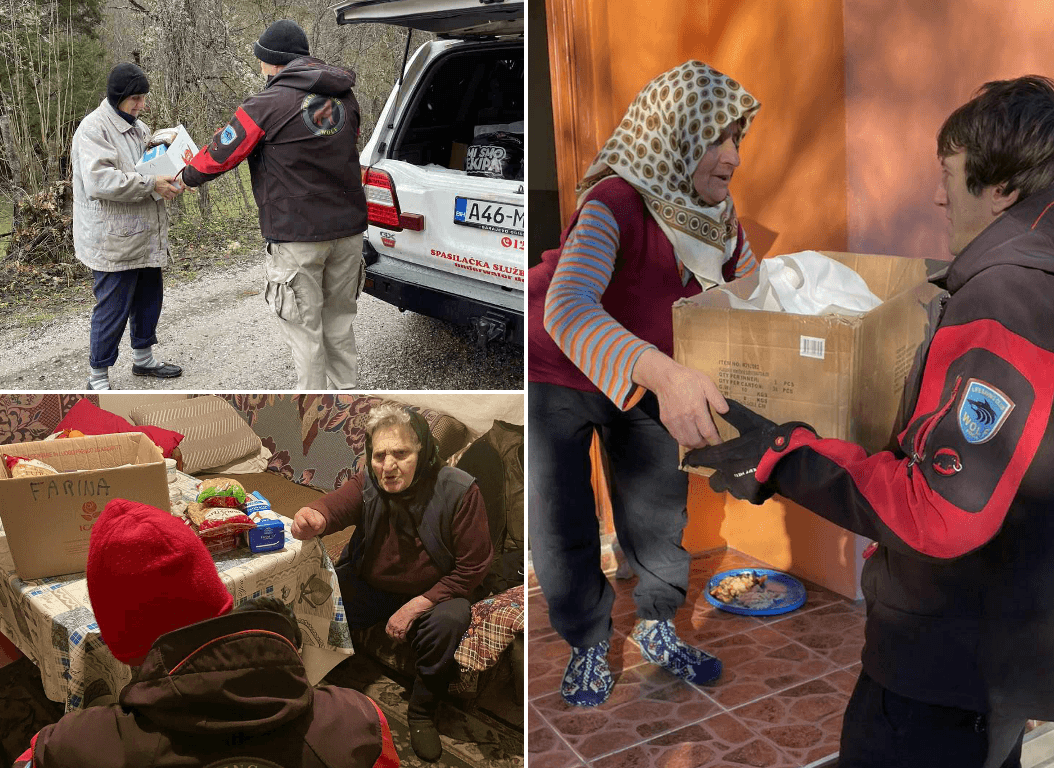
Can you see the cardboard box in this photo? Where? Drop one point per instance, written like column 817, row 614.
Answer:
column 843, row 375
column 457, row 156
column 48, row 519
column 170, row 160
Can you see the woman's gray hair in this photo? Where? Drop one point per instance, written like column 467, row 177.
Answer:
column 387, row 416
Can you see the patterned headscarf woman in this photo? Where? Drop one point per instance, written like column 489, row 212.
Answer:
column 406, row 507
column 658, row 145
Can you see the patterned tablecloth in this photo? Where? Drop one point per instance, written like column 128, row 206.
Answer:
column 51, row 621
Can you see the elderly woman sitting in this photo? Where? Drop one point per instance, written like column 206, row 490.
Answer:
column 421, row 545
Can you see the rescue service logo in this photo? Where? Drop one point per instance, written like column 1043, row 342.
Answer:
column 228, row 135
column 983, row 411
column 322, row 115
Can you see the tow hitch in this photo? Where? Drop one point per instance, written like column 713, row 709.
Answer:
column 489, row 327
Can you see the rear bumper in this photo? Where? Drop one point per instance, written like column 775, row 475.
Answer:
column 486, row 308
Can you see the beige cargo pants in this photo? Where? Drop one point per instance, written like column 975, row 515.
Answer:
column 314, row 288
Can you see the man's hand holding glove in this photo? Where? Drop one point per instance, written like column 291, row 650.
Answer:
column 736, row 461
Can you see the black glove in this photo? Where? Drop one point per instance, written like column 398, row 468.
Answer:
column 736, row 461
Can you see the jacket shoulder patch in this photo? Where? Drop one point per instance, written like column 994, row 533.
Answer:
column 323, row 115
column 983, row 411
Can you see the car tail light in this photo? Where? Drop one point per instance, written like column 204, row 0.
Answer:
column 382, row 204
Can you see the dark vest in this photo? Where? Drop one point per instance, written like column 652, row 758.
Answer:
column 450, row 488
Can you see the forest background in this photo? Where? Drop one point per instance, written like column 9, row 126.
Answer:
column 55, row 56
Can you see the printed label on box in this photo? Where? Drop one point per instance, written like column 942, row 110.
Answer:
column 812, row 347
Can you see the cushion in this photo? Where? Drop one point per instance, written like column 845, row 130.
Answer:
column 251, row 464
column 93, row 420
column 495, row 622
column 214, row 435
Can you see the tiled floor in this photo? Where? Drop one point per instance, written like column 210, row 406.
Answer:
column 778, row 703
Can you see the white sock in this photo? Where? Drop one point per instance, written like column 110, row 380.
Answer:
column 99, row 379
column 144, row 358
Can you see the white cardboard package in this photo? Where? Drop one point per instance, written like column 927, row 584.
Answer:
column 170, row 160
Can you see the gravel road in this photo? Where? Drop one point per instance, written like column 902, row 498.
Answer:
column 221, row 331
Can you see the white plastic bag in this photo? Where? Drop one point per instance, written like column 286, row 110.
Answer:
column 808, row 283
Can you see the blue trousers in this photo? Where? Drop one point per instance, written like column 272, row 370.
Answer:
column 129, row 297
column 649, row 499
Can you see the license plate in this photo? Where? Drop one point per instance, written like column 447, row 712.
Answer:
column 496, row 217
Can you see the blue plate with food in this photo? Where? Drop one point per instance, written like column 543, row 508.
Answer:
column 755, row 592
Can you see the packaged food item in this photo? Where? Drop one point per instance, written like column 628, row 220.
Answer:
column 20, row 467
column 68, row 433
column 269, row 533
column 218, row 516
column 222, row 492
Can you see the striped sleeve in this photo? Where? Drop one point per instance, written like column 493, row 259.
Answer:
column 745, row 260
column 591, row 338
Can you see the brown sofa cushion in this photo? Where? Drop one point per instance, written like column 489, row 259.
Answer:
column 214, row 434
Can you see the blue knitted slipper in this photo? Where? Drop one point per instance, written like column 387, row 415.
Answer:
column 660, row 645
column 587, row 680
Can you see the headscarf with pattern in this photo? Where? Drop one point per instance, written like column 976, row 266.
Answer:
column 407, row 506
column 658, row 145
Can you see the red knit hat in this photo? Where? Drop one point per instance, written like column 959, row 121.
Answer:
column 148, row 574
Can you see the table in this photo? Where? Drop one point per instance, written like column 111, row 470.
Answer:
column 51, row 622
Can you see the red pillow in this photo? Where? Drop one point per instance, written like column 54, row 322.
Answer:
column 93, row 420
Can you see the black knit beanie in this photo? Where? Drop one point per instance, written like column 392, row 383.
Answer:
column 125, row 80
column 281, row 42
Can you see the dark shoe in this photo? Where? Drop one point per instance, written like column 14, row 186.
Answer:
column 424, row 738
column 163, row 371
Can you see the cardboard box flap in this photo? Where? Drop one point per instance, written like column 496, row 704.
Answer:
column 92, row 452
column 886, row 276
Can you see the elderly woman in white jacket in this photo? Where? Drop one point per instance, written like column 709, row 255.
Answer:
column 120, row 231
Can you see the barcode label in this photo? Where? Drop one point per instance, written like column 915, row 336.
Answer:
column 811, row 347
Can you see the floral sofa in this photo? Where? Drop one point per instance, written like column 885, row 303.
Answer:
column 318, row 442
column 314, row 443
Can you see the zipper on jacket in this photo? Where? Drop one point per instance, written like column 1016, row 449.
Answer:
column 921, row 435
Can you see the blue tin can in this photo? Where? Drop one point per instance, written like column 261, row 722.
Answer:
column 267, row 536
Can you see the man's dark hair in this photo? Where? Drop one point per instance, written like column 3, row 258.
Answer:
column 1007, row 132
column 268, row 603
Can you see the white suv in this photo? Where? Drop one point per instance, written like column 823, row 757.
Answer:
column 443, row 170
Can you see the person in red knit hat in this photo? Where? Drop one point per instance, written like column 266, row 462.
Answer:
column 212, row 685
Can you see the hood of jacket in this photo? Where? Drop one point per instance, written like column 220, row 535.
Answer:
column 238, row 673
column 1023, row 236
column 314, row 76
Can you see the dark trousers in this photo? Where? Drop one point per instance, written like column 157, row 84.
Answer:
column 129, row 297
column 882, row 729
column 649, row 498
column 434, row 635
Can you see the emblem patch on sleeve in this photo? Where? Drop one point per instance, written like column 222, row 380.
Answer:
column 983, row 411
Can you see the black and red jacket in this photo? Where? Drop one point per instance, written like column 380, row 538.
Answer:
column 960, row 592
column 299, row 135
column 228, row 691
